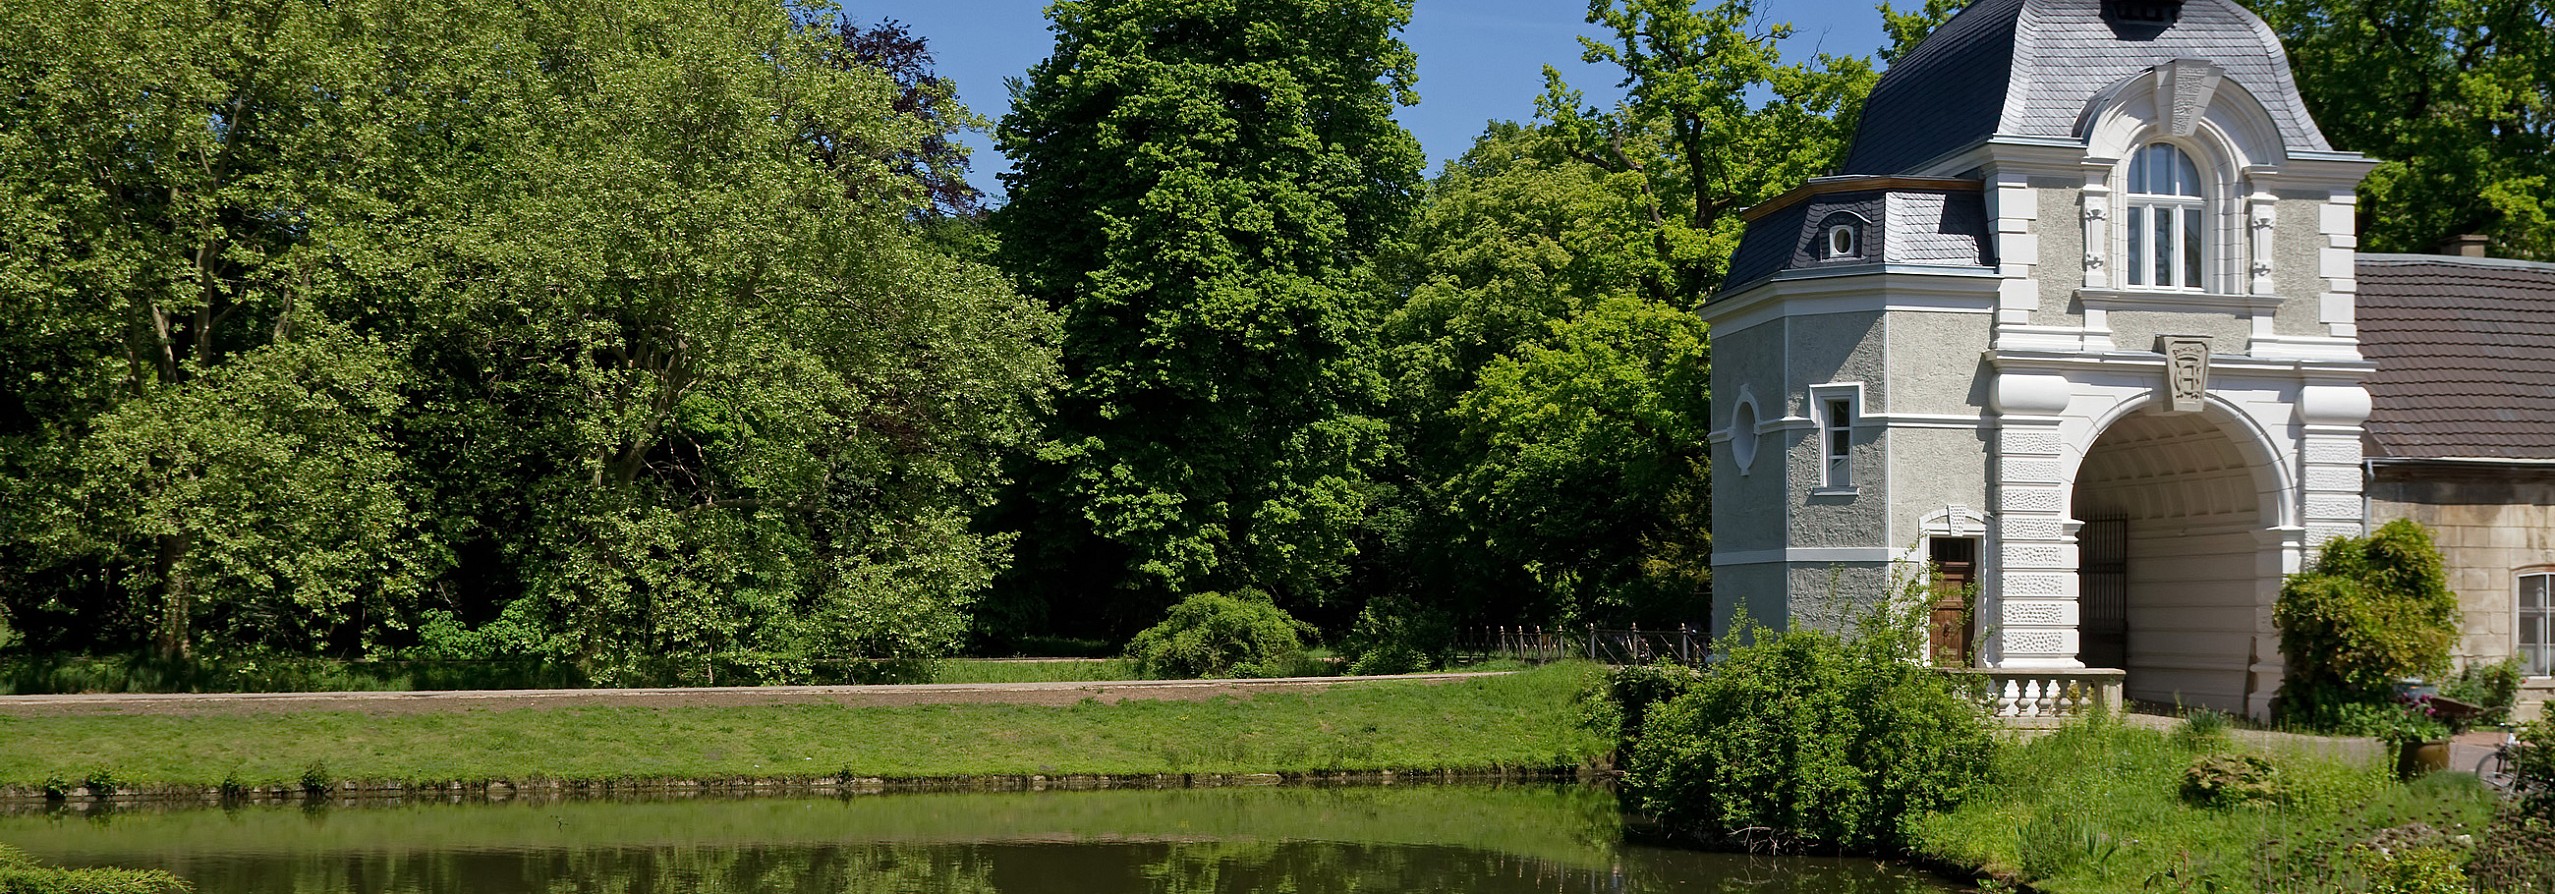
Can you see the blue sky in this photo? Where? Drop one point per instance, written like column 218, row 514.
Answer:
column 1479, row 60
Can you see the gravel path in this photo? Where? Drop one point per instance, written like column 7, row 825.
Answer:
column 516, row 699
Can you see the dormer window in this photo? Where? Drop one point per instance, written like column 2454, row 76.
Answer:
column 1840, row 237
column 2163, row 227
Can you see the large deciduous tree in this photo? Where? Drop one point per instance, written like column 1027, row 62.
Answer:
column 1549, row 371
column 1199, row 187
column 603, row 332
column 2456, row 99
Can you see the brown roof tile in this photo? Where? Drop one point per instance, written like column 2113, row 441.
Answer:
column 2465, row 354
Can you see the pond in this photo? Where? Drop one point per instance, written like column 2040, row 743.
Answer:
column 1479, row 839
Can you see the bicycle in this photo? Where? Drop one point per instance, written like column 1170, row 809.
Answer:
column 2495, row 768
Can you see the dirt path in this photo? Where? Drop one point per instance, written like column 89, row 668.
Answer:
column 516, row 699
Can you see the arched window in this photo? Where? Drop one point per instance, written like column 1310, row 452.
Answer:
column 2164, row 229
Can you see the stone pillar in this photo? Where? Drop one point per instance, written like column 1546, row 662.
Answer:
column 2035, row 613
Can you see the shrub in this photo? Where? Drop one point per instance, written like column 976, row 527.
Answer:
column 2373, row 610
column 1397, row 636
column 102, row 782
column 1630, row 692
column 2417, row 870
column 1805, row 739
column 1219, row 635
column 2230, row 780
column 20, row 874
column 2203, row 728
column 2494, row 687
column 316, row 780
column 2533, row 768
column 2516, row 854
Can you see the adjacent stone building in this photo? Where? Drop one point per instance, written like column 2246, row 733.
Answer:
column 2079, row 322
column 2462, row 437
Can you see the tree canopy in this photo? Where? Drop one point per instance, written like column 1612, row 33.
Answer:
column 2457, row 102
column 591, row 332
column 1199, row 189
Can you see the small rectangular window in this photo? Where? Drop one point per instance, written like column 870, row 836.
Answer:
column 2537, row 623
column 1838, row 443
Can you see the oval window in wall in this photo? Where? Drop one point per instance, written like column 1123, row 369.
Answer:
column 1840, row 236
column 1743, row 435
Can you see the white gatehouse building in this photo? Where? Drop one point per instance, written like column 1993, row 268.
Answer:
column 2080, row 322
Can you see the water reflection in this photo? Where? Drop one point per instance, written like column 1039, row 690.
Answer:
column 1419, row 839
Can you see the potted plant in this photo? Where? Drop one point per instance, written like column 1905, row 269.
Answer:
column 2420, row 736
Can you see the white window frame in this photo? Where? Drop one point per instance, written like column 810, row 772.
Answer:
column 2190, row 216
column 2536, row 660
column 1836, row 439
column 1744, row 422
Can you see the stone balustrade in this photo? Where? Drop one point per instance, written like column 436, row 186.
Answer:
column 2046, row 692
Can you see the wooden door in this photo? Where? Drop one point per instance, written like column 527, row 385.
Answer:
column 1955, row 578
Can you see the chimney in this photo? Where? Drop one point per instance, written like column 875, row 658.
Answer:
column 2471, row 245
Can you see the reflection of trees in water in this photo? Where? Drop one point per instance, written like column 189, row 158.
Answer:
column 852, row 869
column 1061, row 867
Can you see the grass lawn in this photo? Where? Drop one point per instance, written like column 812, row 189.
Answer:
column 2097, row 807
column 1524, row 720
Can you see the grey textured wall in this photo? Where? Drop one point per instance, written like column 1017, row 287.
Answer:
column 1829, row 348
column 2295, row 248
column 2061, row 269
column 2137, row 330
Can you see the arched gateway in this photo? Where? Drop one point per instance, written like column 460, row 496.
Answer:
column 2079, row 329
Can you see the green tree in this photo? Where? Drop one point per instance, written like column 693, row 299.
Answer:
column 1548, row 372
column 603, row 332
column 1714, row 119
column 1200, row 186
column 2457, row 102
column 1907, row 29
column 2371, row 611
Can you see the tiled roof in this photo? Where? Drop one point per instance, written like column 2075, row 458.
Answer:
column 2465, row 354
column 2027, row 68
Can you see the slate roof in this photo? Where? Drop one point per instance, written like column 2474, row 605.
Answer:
column 2465, row 354
column 1900, row 224
column 2026, row 68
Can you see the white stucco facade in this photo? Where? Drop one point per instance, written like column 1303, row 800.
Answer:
column 2210, row 432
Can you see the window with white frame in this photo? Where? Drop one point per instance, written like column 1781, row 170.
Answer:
column 1836, row 439
column 2537, row 623
column 2162, row 221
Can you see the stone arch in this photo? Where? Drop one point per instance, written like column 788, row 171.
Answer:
column 2177, row 520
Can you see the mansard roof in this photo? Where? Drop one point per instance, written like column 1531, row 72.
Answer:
column 2028, row 68
column 2465, row 354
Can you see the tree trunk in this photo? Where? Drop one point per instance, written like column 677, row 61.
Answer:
column 173, row 597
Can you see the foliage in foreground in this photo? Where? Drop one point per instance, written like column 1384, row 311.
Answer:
column 20, row 874
column 2103, row 807
column 1808, row 739
column 2373, row 610
column 1241, row 634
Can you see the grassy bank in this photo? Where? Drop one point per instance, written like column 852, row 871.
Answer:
column 1524, row 720
column 2099, row 807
